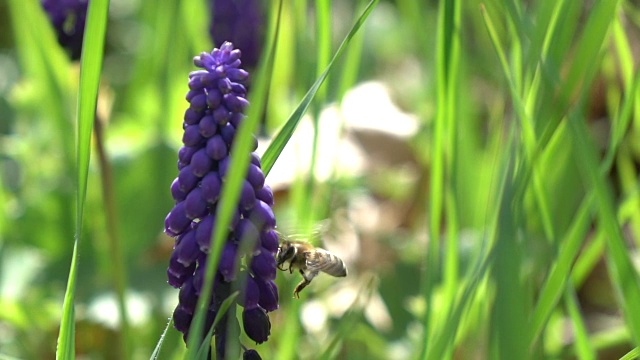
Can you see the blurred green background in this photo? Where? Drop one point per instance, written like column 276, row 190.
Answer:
column 476, row 165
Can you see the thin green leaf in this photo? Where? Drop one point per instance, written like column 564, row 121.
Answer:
column 623, row 273
column 445, row 335
column 156, row 350
column 554, row 285
column 224, row 307
column 90, row 70
column 633, row 354
column 582, row 343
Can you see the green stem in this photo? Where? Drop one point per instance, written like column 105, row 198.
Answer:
column 118, row 272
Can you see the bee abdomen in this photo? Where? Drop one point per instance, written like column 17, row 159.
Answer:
column 334, row 266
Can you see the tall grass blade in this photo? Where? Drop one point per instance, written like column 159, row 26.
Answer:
column 156, row 351
column 582, row 343
column 91, row 67
column 624, row 275
column 633, row 354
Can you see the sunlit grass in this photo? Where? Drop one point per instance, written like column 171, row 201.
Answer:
column 508, row 229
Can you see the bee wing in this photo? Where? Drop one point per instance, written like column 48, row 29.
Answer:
column 322, row 260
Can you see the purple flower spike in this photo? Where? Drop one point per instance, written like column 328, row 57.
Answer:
column 182, row 319
column 270, row 241
column 208, row 126
column 177, row 194
column 262, row 216
column 211, row 185
column 250, row 294
column 192, row 116
column 242, row 22
column 228, row 132
column 214, row 98
column 251, row 355
column 201, row 163
column 247, row 196
column 68, row 19
column 187, row 250
column 216, row 148
column 217, row 101
column 255, row 177
column 187, row 296
column 195, row 204
column 227, row 266
column 256, row 324
column 268, row 295
column 265, row 194
column 177, row 220
column 263, row 265
column 187, row 179
column 192, row 135
column 203, row 232
column 186, row 153
column 246, row 231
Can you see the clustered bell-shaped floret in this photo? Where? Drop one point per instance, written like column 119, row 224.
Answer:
column 217, row 99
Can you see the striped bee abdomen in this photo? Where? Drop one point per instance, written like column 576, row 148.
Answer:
column 322, row 260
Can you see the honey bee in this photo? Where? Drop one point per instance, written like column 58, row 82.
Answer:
column 309, row 260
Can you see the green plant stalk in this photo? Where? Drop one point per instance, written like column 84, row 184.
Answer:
column 555, row 282
column 592, row 252
column 622, row 271
column 633, row 354
column 582, row 343
column 353, row 58
column 447, row 63
column 118, row 272
column 451, row 260
column 510, row 306
column 444, row 339
column 90, row 69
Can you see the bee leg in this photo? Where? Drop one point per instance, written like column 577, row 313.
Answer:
column 306, row 280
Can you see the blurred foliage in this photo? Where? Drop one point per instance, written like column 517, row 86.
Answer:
column 519, row 183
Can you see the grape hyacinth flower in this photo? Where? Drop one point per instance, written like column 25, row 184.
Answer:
column 241, row 22
column 217, row 99
column 68, row 18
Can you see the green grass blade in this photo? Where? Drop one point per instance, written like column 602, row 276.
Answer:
column 444, row 135
column 352, row 61
column 156, row 350
column 224, row 307
column 445, row 335
column 510, row 306
column 555, row 283
column 582, row 343
column 280, row 141
column 633, row 354
column 91, row 67
column 583, row 68
column 323, row 33
column 624, row 276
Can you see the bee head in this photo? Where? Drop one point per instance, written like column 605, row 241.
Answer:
column 286, row 251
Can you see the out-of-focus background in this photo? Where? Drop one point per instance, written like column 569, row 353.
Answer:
column 475, row 164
